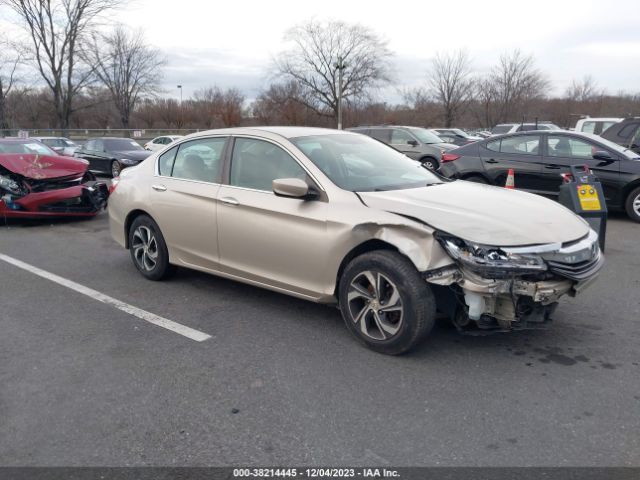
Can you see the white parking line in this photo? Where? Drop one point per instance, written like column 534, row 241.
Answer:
column 183, row 330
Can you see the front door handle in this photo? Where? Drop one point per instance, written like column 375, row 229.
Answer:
column 159, row 188
column 552, row 167
column 491, row 161
column 229, row 201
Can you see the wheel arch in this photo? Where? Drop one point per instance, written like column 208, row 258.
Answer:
column 131, row 216
column 364, row 247
column 626, row 191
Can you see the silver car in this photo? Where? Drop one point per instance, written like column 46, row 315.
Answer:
column 340, row 218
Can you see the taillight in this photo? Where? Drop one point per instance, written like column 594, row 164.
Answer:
column 449, row 157
column 114, row 184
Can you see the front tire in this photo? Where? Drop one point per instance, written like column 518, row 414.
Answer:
column 632, row 205
column 385, row 303
column 148, row 249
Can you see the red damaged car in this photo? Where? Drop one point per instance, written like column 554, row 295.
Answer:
column 35, row 182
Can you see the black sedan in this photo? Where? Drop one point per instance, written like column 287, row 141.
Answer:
column 539, row 158
column 111, row 155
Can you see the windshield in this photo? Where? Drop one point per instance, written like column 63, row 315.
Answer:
column 462, row 133
column 27, row 147
column 121, row 145
column 425, row 136
column 361, row 164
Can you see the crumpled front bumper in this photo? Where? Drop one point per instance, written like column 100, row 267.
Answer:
column 477, row 303
column 84, row 200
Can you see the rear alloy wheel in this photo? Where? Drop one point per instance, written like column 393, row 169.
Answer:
column 148, row 249
column 116, row 168
column 430, row 163
column 632, row 205
column 385, row 303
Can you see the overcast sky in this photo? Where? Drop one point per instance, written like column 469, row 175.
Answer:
column 230, row 43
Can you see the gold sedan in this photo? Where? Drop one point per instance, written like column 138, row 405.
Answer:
column 337, row 217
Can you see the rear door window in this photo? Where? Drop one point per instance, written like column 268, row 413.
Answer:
column 199, row 160
column 524, row 145
column 382, row 134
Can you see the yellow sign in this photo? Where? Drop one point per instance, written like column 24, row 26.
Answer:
column 588, row 197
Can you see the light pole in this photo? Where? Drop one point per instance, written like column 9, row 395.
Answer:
column 340, row 66
column 180, row 87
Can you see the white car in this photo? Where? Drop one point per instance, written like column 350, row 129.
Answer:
column 596, row 125
column 159, row 143
column 503, row 128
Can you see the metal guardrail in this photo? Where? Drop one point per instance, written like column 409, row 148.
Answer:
column 83, row 134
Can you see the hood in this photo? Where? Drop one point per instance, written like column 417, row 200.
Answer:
column 39, row 167
column 483, row 214
column 138, row 155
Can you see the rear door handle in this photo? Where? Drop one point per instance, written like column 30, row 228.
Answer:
column 229, row 201
column 159, row 188
column 491, row 161
column 552, row 167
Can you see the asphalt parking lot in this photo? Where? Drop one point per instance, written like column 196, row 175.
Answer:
column 281, row 382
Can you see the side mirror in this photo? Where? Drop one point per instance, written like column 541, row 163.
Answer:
column 291, row 187
column 602, row 155
column 413, row 143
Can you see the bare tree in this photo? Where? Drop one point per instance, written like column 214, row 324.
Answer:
column 451, row 84
column 514, row 82
column 583, row 90
column 56, row 29
column 313, row 62
column 219, row 108
column 126, row 66
column 10, row 58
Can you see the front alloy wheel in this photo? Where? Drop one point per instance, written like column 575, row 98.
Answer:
column 116, row 168
column 385, row 303
column 375, row 306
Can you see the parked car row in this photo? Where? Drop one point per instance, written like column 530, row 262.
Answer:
column 418, row 143
column 540, row 158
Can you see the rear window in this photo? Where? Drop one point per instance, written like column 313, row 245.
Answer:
column 500, row 129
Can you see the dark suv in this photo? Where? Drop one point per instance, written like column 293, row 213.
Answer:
column 415, row 142
column 625, row 133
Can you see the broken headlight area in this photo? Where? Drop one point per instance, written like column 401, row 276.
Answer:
column 500, row 289
column 488, row 261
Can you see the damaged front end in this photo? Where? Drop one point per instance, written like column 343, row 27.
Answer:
column 39, row 187
column 492, row 289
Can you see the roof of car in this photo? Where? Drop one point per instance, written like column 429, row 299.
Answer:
column 18, row 140
column 286, row 132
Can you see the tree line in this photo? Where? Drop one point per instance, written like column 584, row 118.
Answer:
column 90, row 77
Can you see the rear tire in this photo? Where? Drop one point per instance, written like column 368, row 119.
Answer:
column 430, row 163
column 385, row 303
column 148, row 249
column 632, row 205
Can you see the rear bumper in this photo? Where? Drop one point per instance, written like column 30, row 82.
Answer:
column 84, row 200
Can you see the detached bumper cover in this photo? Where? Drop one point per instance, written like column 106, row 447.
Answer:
column 84, row 200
